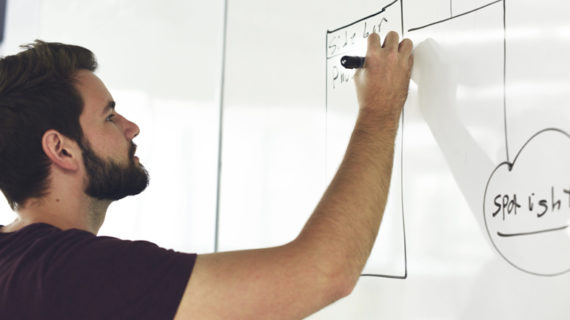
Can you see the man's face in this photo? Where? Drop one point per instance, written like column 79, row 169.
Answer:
column 108, row 180
column 112, row 170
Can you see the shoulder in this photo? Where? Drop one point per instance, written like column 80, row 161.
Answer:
column 79, row 273
column 76, row 250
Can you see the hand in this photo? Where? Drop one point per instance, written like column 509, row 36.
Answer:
column 382, row 85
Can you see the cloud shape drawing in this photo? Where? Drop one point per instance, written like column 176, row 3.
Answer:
column 527, row 205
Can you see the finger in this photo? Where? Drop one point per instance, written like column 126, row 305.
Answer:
column 373, row 43
column 405, row 47
column 391, row 41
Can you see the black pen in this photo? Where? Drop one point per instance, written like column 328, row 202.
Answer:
column 352, row 62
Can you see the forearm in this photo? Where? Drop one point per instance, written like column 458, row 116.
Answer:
column 343, row 227
column 323, row 263
column 342, row 230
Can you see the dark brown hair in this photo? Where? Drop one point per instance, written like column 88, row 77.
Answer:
column 37, row 93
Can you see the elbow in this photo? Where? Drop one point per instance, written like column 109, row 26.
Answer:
column 331, row 277
column 340, row 284
column 346, row 286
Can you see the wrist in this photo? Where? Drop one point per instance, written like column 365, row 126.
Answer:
column 377, row 120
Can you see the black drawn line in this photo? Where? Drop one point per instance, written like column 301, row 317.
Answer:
column 504, row 57
column 405, row 275
column 326, row 100
column 365, row 18
column 402, row 165
column 402, row 195
column 385, row 276
column 402, row 15
column 500, row 234
column 505, row 78
column 453, row 17
column 510, row 166
column 534, row 136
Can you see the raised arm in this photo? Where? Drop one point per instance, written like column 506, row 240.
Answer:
column 324, row 262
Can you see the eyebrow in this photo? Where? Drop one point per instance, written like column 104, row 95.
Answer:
column 110, row 106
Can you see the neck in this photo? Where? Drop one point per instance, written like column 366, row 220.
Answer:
column 85, row 213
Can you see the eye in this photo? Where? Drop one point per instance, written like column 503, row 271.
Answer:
column 110, row 117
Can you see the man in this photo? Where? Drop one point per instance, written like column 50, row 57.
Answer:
column 66, row 154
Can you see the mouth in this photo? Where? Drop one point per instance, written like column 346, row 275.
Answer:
column 133, row 150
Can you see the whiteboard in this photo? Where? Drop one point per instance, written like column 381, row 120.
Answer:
column 493, row 125
column 490, row 125
column 388, row 259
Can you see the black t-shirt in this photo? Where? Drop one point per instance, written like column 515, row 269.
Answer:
column 47, row 273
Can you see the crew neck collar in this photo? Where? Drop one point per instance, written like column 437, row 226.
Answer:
column 32, row 225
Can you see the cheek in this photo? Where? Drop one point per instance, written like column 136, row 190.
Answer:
column 107, row 145
column 117, row 147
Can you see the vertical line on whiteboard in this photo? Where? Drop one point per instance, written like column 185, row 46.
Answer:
column 505, row 78
column 402, row 15
column 402, row 164
column 451, row 8
column 221, row 127
column 326, row 106
column 405, row 276
column 402, row 198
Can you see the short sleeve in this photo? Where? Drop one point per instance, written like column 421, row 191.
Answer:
column 107, row 278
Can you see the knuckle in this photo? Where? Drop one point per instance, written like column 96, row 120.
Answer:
column 392, row 56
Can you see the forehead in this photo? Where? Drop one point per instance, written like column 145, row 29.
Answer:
column 94, row 93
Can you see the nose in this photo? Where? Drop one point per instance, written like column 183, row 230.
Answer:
column 131, row 129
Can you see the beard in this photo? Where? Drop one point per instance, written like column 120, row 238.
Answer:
column 108, row 180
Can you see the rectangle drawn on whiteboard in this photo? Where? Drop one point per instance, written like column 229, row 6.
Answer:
column 388, row 257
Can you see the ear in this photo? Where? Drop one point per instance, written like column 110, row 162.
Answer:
column 62, row 151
